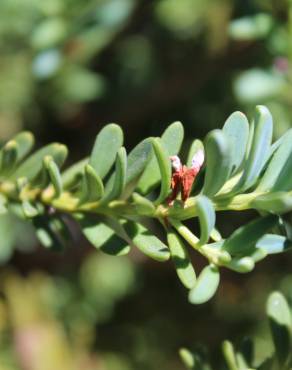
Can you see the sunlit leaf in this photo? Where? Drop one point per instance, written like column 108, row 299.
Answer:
column 206, row 285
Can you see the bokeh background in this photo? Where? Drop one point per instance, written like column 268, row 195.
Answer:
column 68, row 67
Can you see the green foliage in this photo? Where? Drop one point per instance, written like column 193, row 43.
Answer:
column 244, row 357
column 116, row 208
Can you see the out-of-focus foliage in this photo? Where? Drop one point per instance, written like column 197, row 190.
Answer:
column 49, row 322
column 277, row 355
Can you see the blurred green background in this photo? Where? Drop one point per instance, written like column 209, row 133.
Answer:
column 68, row 67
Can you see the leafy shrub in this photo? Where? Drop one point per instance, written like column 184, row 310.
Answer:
column 115, row 208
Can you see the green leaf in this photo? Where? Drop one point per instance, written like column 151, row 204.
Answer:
column 229, row 354
column 259, row 150
column 241, row 265
column 273, row 243
column 171, row 140
column 29, row 209
column 207, row 217
column 218, row 162
column 92, row 186
column 46, row 234
column 188, row 358
column 195, row 147
column 72, row 175
column 143, row 205
column 32, row 166
column 106, row 146
column 8, row 157
column 280, row 322
column 164, row 167
column 278, row 202
column 138, row 159
column 148, row 243
column 246, row 236
column 206, row 285
column 236, row 129
column 273, row 176
column 103, row 234
column 54, row 175
column 181, row 260
column 25, row 142
column 119, row 179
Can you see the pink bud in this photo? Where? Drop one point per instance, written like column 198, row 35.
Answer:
column 198, row 159
column 175, row 162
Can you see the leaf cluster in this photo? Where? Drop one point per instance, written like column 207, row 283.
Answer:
column 115, row 196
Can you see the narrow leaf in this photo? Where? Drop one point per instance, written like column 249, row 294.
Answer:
column 237, row 130
column 171, row 140
column 280, row 321
column 119, row 179
column 101, row 233
column 8, row 157
column 218, row 162
column 241, row 265
column 92, row 186
column 32, row 166
column 246, row 236
column 143, row 205
column 148, row 243
column 54, row 175
column 206, row 214
column 273, row 243
column 206, row 285
column 277, row 164
column 72, row 175
column 106, row 146
column 278, row 202
column 229, row 355
column 138, row 159
column 259, row 150
column 164, row 167
column 25, row 142
column 45, row 233
column 181, row 260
